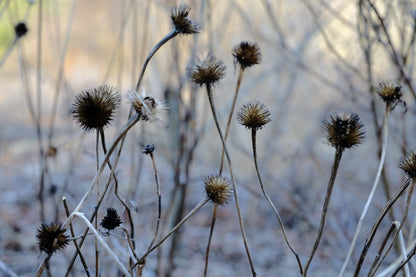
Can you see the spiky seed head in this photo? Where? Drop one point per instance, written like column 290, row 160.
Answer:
column 408, row 164
column 218, row 189
column 247, row 54
column 20, row 29
column 51, row 238
column 253, row 115
column 111, row 220
column 206, row 71
column 344, row 130
column 391, row 94
column 181, row 22
column 147, row 107
column 95, row 108
column 148, row 149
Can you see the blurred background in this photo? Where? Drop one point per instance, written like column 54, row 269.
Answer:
column 319, row 58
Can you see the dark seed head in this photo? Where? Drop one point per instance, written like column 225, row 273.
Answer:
column 20, row 29
column 207, row 71
column 111, row 220
column 181, row 22
column 51, row 238
column 247, row 54
column 218, row 190
column 253, row 115
column 408, row 164
column 344, row 130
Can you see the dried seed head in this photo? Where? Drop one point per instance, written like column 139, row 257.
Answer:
column 253, row 115
column 20, row 29
column 148, row 108
column 207, row 71
column 148, row 149
column 344, row 130
column 408, row 164
column 51, row 238
column 247, row 54
column 111, row 220
column 391, row 94
column 218, row 190
column 181, row 22
column 94, row 108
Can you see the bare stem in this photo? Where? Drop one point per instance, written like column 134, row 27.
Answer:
column 337, row 159
column 211, row 231
column 159, row 196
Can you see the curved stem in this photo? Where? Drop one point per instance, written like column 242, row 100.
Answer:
column 240, row 219
column 337, row 159
column 282, row 227
column 373, row 189
column 159, row 197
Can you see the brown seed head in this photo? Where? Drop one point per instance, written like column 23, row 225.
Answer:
column 207, row 71
column 20, row 29
column 111, row 220
column 51, row 238
column 148, row 108
column 391, row 94
column 181, row 22
column 94, row 108
column 218, row 190
column 344, row 130
column 247, row 54
column 408, row 164
column 253, row 115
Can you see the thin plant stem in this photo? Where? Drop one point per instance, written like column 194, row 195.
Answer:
column 159, row 197
column 337, row 159
column 240, row 219
column 169, row 36
column 132, row 247
column 376, row 224
column 405, row 261
column 71, row 228
column 8, row 50
column 373, row 189
column 191, row 213
column 282, row 227
column 211, row 231
column 97, row 154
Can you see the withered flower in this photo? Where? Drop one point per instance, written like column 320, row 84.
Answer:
column 247, row 54
column 148, row 108
column 218, row 190
column 253, row 115
column 51, row 238
column 20, row 29
column 94, row 108
column 408, row 164
column 391, row 94
column 207, row 71
column 181, row 22
column 344, row 130
column 148, row 149
column 111, row 220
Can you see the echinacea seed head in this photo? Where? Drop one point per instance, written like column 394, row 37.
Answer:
column 247, row 54
column 146, row 106
column 408, row 164
column 181, row 22
column 94, row 108
column 253, row 115
column 111, row 220
column 218, row 190
column 148, row 149
column 391, row 94
column 51, row 238
column 206, row 71
column 344, row 130
column 20, row 29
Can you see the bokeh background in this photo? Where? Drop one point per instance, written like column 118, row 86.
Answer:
column 319, row 58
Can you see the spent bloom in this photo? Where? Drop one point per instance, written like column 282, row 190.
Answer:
column 344, row 130
column 253, row 115
column 218, row 190
column 20, row 29
column 206, row 71
column 94, row 108
column 148, row 108
column 408, row 164
column 246, row 54
column 51, row 238
column 181, row 22
column 111, row 220
column 391, row 94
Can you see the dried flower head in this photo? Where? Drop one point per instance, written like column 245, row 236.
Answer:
column 94, row 108
column 181, row 22
column 51, row 238
column 408, row 164
column 207, row 71
column 391, row 94
column 247, row 54
column 111, row 220
column 148, row 149
column 218, row 190
column 344, row 130
column 253, row 115
column 20, row 29
column 148, row 108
